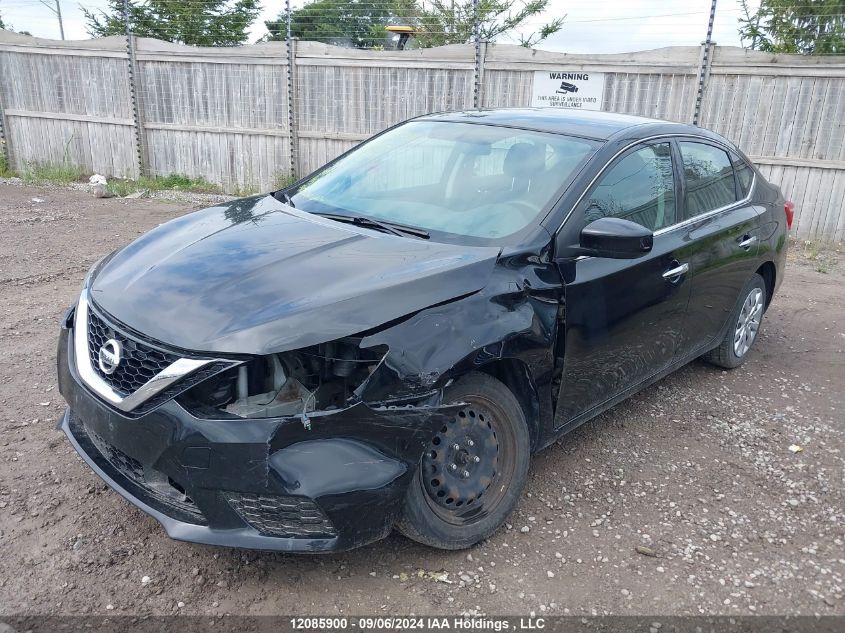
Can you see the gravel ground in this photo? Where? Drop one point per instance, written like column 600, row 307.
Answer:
column 683, row 500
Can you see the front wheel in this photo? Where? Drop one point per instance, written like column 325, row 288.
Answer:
column 473, row 471
column 745, row 322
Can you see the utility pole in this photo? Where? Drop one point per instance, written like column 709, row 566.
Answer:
column 58, row 11
column 59, row 15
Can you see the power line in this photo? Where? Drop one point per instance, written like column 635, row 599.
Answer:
column 57, row 9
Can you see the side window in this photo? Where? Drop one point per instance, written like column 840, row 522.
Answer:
column 710, row 177
column 744, row 175
column 640, row 187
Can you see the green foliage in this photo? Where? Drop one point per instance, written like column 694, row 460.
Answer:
column 823, row 258
column 340, row 22
column 122, row 188
column 283, row 180
column 207, row 23
column 243, row 191
column 177, row 182
column 56, row 173
column 438, row 22
column 447, row 22
column 809, row 27
column 66, row 173
column 4, row 166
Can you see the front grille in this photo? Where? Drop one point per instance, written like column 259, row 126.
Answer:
column 139, row 363
column 290, row 517
column 181, row 385
column 128, row 466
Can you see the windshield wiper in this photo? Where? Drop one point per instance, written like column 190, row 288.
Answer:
column 393, row 228
column 285, row 197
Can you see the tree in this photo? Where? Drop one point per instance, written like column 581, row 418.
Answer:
column 207, row 23
column 809, row 27
column 9, row 27
column 341, row 22
column 448, row 22
column 437, row 22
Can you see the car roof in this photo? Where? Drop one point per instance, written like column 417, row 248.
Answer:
column 585, row 123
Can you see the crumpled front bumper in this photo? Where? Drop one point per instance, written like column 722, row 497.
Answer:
column 269, row 484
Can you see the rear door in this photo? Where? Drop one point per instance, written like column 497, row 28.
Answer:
column 722, row 235
column 623, row 317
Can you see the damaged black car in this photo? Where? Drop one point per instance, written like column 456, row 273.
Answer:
column 385, row 343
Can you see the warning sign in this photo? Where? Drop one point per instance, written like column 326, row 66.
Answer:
column 568, row 89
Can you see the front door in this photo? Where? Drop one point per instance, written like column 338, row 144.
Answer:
column 623, row 318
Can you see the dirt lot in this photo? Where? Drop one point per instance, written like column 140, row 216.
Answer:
column 697, row 469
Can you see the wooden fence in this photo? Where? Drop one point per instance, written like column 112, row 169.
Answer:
column 223, row 113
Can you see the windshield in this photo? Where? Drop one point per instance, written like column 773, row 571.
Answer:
column 459, row 179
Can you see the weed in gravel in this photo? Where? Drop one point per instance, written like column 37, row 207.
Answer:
column 176, row 182
column 812, row 249
column 823, row 257
column 4, row 165
column 53, row 173
column 282, row 180
column 243, row 191
column 65, row 173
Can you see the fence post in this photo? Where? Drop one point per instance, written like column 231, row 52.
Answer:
column 479, row 64
column 5, row 148
column 704, row 63
column 482, row 59
column 137, row 113
column 293, row 141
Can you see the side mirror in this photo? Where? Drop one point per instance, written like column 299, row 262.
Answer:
column 615, row 238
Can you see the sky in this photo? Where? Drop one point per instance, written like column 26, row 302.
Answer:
column 610, row 26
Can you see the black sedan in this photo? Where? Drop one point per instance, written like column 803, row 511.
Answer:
column 387, row 341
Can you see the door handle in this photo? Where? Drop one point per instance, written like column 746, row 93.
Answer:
column 746, row 241
column 675, row 272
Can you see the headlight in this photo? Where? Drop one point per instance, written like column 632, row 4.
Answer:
column 317, row 378
column 89, row 276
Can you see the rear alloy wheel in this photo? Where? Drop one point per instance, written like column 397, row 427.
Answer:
column 473, row 471
column 746, row 319
column 749, row 322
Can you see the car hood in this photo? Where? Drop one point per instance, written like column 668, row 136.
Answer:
column 255, row 276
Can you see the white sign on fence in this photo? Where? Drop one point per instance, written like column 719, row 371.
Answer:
column 563, row 88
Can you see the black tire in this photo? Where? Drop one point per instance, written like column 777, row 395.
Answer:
column 502, row 445
column 726, row 353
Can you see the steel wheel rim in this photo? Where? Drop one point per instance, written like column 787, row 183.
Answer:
column 748, row 322
column 475, row 496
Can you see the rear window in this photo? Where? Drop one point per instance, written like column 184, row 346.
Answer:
column 744, row 175
column 710, row 177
